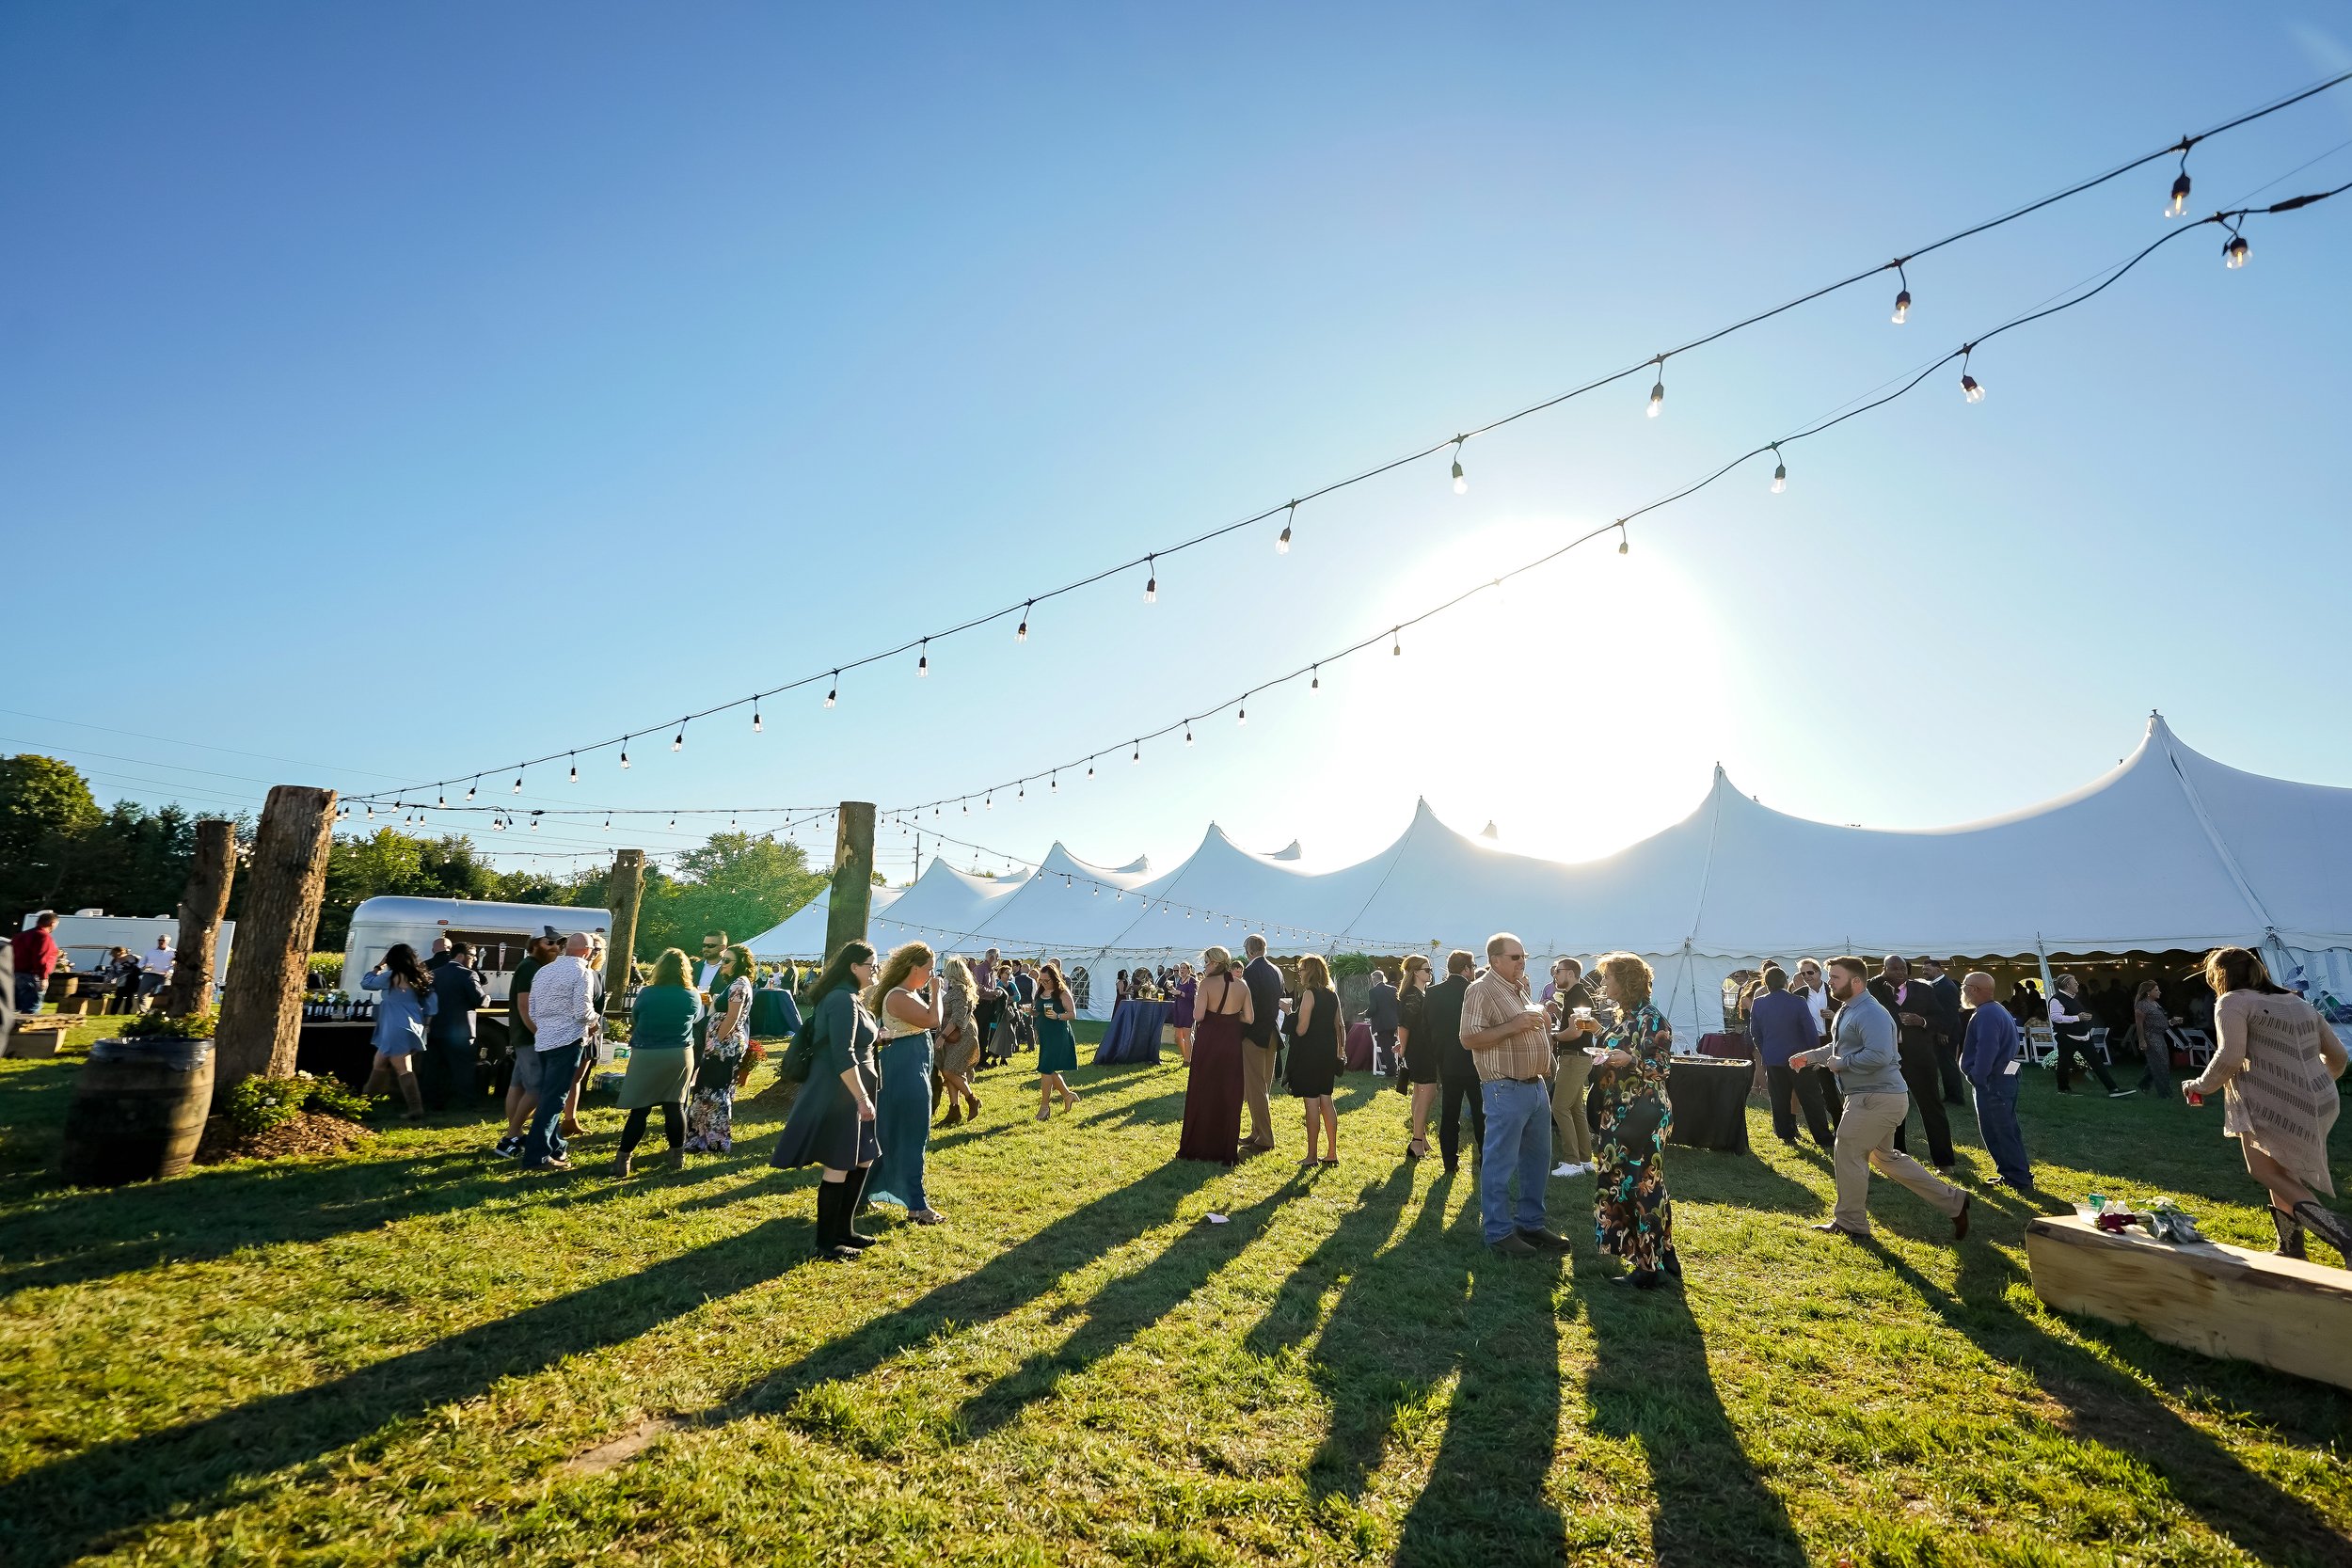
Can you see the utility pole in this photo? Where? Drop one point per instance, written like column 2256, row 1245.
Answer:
column 623, row 894
column 190, row 987
column 852, row 897
column 260, row 1011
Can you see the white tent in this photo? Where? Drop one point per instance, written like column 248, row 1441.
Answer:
column 2170, row 849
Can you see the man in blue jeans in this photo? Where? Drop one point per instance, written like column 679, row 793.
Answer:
column 1989, row 1060
column 1508, row 1034
column 562, row 1005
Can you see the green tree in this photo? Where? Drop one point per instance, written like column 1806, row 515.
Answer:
column 735, row 882
column 45, row 812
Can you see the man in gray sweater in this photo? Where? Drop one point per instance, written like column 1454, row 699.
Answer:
column 1861, row 1053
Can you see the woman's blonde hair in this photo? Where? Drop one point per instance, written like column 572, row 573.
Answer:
column 1313, row 972
column 1414, row 964
column 1216, row 961
column 669, row 968
column 903, row 962
column 2229, row 969
column 1633, row 976
column 960, row 980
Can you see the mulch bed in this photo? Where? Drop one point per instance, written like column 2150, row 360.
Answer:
column 309, row 1132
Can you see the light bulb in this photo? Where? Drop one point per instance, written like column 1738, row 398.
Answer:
column 469, row 789
column 1152, row 584
column 608, row 822
column 1657, row 396
column 575, row 769
column 441, row 802
column 1780, row 473
column 1021, row 632
column 518, row 783
column 370, row 813
column 1902, row 307
column 1089, row 770
column 2233, row 254
column 1625, row 544
column 923, row 664
column 756, row 724
column 1241, row 716
column 1461, row 485
column 834, row 689
column 1282, row 545
column 677, row 741
column 2180, row 196
column 1317, row 684
column 534, row 821
column 1970, row 387
column 1188, row 734
column 1396, row 644
column 1052, row 784
column 1137, row 758
column 624, row 754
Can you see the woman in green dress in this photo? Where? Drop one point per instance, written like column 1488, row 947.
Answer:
column 1056, row 1045
column 660, row 1058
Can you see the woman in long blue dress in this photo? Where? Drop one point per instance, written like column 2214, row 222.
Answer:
column 1057, row 1044
column 906, row 1006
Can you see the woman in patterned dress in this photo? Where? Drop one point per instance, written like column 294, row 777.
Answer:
column 710, row 1115
column 1632, row 1215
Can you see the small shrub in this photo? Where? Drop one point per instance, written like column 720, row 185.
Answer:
column 258, row 1104
column 155, row 1026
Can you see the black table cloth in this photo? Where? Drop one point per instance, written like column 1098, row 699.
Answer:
column 1711, row 1101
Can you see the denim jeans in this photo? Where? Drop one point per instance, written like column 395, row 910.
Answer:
column 1519, row 1142
column 29, row 994
column 556, row 1067
column 1996, row 1118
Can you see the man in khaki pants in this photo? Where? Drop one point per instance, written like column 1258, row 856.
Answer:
column 1863, row 1053
column 1571, row 1070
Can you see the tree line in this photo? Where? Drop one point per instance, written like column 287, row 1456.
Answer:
column 60, row 850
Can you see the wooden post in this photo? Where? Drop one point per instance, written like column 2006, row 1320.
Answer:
column 853, row 895
column 260, row 1011
column 190, row 987
column 621, row 897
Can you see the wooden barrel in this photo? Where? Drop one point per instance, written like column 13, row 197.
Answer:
column 138, row 1109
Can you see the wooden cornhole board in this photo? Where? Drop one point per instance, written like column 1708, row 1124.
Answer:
column 2295, row 1317
column 37, row 1038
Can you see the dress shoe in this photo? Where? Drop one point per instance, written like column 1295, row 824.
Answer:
column 1543, row 1241
column 1959, row 1221
column 1513, row 1246
column 1833, row 1228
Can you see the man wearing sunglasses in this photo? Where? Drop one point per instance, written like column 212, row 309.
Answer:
column 1509, row 1034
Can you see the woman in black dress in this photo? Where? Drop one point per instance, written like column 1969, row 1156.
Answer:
column 1419, row 1055
column 1315, row 1031
column 832, row 1123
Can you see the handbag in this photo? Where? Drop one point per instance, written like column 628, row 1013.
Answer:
column 800, row 1057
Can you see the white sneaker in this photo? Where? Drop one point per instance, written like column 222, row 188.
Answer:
column 1565, row 1168
column 1588, row 1168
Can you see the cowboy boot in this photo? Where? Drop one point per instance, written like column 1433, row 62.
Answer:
column 2290, row 1234
column 2328, row 1224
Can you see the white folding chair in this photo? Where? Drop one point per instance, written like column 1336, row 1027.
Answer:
column 2200, row 1048
column 2099, row 1043
column 2039, row 1044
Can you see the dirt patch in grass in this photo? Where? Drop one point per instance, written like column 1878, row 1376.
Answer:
column 309, row 1132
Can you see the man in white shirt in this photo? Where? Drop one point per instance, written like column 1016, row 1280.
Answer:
column 714, row 959
column 562, row 1008
column 155, row 968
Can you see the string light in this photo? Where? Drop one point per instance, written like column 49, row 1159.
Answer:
column 677, row 741
column 923, row 665
column 2180, row 184
column 624, row 754
column 1282, row 542
column 756, row 724
column 1461, row 483
column 1137, row 758
column 2233, row 254
column 1780, row 471
column 1902, row 300
column 1241, row 716
column 370, row 813
column 575, row 768
column 1187, row 732
column 471, row 787
column 608, row 822
column 1657, row 389
column 1316, row 684
column 1151, row 583
column 1624, row 543
column 440, row 802
column 518, row 784
column 534, row 821
column 1970, row 387
column 1396, row 643
column 835, row 691
column 1021, row 632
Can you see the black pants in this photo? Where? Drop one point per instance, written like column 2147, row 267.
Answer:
column 984, row 1019
column 673, row 1123
column 1804, row 1087
column 2068, row 1050
column 1927, row 1096
column 1948, row 1069
column 1452, row 1092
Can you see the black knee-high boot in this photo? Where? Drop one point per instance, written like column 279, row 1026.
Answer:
column 829, row 1195
column 853, row 1195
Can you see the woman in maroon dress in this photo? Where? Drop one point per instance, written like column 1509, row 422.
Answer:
column 1212, row 1096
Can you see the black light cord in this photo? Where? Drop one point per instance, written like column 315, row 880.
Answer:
column 1288, row 510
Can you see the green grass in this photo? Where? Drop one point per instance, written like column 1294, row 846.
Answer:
column 415, row 1355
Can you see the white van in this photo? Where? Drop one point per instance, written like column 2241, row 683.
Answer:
column 86, row 937
column 498, row 933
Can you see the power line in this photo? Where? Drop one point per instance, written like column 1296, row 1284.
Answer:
column 2234, row 254
column 1288, row 510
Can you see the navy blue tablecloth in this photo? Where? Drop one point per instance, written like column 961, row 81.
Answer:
column 1134, row 1033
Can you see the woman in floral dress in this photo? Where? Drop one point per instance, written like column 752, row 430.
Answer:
column 1632, row 1216
column 710, row 1115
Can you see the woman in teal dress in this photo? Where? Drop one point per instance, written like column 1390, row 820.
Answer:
column 831, row 1121
column 1056, row 1045
column 906, row 1008
column 660, row 1058
column 1632, row 1216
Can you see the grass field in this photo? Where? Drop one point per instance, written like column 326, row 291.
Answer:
column 415, row 1355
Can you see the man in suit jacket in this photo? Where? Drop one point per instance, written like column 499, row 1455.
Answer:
column 1950, row 1029
column 1257, row 1042
column 1458, row 1069
column 1382, row 1014
column 1915, row 1007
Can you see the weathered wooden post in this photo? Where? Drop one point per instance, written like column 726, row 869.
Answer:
column 622, row 896
column 852, row 897
column 260, row 1011
column 190, row 987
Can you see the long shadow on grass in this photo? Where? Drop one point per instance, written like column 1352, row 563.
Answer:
column 1734, row 1181
column 1119, row 1310
column 64, row 1509
column 1485, row 1503
column 2109, row 1408
column 1650, row 1381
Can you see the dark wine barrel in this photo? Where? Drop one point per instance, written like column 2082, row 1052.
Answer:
column 138, row 1109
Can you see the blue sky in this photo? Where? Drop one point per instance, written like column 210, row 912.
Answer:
column 390, row 391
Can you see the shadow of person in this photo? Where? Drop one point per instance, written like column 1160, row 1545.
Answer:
column 1485, row 1501
column 1735, row 1181
column 1117, row 1312
column 1649, row 1382
column 2107, row 1408
column 1346, row 1252
column 59, row 1512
